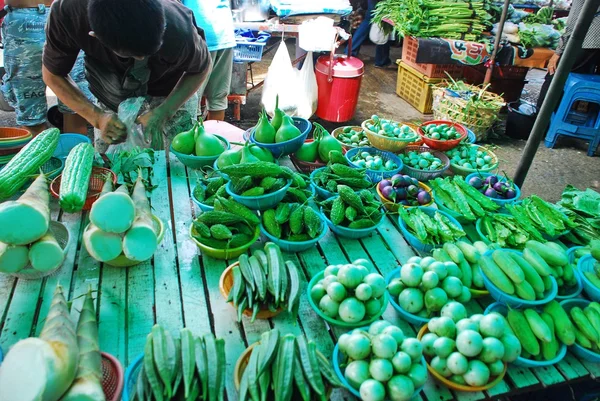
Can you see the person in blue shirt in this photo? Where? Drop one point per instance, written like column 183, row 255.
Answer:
column 214, row 17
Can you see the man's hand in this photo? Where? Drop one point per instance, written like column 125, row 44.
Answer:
column 153, row 123
column 553, row 63
column 112, row 130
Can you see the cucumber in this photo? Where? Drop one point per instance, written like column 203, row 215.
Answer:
column 496, row 275
column 549, row 349
column 455, row 253
column 593, row 278
column 508, row 266
column 531, row 275
column 467, row 275
column 565, row 331
column 582, row 339
column 594, row 317
column 552, row 255
column 583, row 324
column 523, row 331
column 477, row 278
column 470, row 253
column 481, row 247
column 538, row 326
column 547, row 283
column 537, row 262
column 441, row 256
column 525, row 291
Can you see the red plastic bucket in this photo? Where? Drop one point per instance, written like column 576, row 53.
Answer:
column 338, row 78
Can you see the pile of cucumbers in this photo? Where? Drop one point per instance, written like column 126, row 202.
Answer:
column 292, row 222
column 553, row 259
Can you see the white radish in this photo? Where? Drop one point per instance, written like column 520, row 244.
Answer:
column 13, row 258
column 140, row 242
column 114, row 211
column 101, row 245
column 46, row 254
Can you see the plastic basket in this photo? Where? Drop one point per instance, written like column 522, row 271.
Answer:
column 410, row 49
column 131, row 376
column 414, row 241
column 225, row 286
column 11, row 134
column 338, row 360
column 443, row 145
column 203, row 206
column 223, row 254
column 442, row 206
column 262, row 202
column 287, row 147
column 471, row 138
column 380, row 142
column 409, row 317
column 197, row 162
column 415, row 88
column 296, row 246
column 374, row 175
column 571, row 254
column 466, row 171
column 321, row 192
column 576, row 349
column 586, row 264
column 63, row 237
column 336, row 132
column 53, row 167
column 499, row 202
column 423, row 175
column 511, row 300
column 393, row 207
column 66, row 142
column 97, row 180
column 112, row 377
column 248, row 51
column 123, row 261
column 524, row 362
column 341, row 323
column 306, row 167
column 353, row 233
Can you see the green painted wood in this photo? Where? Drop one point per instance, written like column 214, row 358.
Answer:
column 548, row 375
column 572, row 368
column 522, row 377
column 395, row 241
column 112, row 312
column 7, row 284
column 139, row 308
column 21, row 312
column 593, row 368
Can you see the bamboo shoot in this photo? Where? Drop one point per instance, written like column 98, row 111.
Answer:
column 13, row 258
column 101, row 245
column 140, row 241
column 114, row 211
column 46, row 254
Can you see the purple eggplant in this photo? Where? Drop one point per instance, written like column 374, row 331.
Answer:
column 412, row 190
column 491, row 180
column 401, row 193
column 389, row 193
column 498, row 187
column 476, row 182
column 384, row 183
column 396, row 177
column 413, row 181
column 491, row 193
column 423, row 197
column 510, row 194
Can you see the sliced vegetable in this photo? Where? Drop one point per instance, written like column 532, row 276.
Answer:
column 46, row 254
column 114, row 211
column 141, row 241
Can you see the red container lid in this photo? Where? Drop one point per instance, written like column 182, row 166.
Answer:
column 343, row 66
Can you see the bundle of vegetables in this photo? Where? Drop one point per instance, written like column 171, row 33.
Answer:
column 128, row 164
column 319, row 148
column 425, row 161
column 353, row 136
column 520, row 275
column 466, row 257
column 198, row 142
column 353, row 210
column 337, row 172
column 552, row 259
column 230, row 225
column 430, row 230
column 584, row 208
column 470, row 351
column 282, row 366
column 280, row 129
column 25, row 233
column 460, row 19
column 259, row 178
column 504, row 230
column 383, row 363
column 472, row 157
column 27, row 162
column 427, row 287
column 538, row 35
column 292, row 222
column 349, row 292
column 187, row 368
column 44, row 368
column 265, row 281
column 538, row 217
column 494, row 186
column 542, row 16
column 249, row 153
column 458, row 196
column 404, row 190
column 208, row 188
column 583, row 325
column 130, row 231
column 391, row 129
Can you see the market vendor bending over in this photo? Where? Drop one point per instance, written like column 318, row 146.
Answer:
column 132, row 48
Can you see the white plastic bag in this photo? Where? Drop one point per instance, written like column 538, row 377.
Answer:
column 282, row 81
column 309, row 92
column 128, row 112
column 377, row 35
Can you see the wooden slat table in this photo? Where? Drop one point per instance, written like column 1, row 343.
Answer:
column 180, row 288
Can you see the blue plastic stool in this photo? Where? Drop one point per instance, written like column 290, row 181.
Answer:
column 579, row 87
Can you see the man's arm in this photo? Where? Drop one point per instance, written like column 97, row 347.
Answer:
column 111, row 128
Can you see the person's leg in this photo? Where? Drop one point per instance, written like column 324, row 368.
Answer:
column 362, row 32
column 74, row 123
column 219, row 82
column 23, row 86
column 382, row 55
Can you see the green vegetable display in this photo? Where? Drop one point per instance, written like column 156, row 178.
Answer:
column 425, row 161
column 583, row 208
column 434, row 230
column 539, row 217
column 441, row 132
column 292, row 222
column 337, row 172
column 506, row 231
column 457, row 195
column 353, row 136
column 466, row 257
column 353, row 210
column 391, row 129
column 471, row 157
column 375, row 163
column 207, row 189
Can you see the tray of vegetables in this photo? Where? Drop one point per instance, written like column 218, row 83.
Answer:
column 467, row 158
column 423, row 163
column 500, row 189
column 197, row 147
column 337, row 172
column 379, row 164
column 442, row 135
column 387, row 134
column 207, row 189
column 293, row 226
column 541, row 219
column 460, row 200
column 351, row 137
column 426, row 228
column 405, row 191
column 283, row 135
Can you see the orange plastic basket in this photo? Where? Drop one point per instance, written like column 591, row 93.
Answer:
column 409, row 56
column 112, row 377
column 95, row 187
column 13, row 134
column 439, row 144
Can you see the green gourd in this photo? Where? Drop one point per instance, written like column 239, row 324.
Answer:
column 327, row 143
column 207, row 144
column 264, row 131
column 229, row 157
column 263, row 154
column 309, row 151
column 287, row 131
column 247, row 156
column 277, row 115
column 185, row 142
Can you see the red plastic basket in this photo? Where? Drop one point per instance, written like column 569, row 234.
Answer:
column 443, row 145
column 95, row 187
column 112, row 377
column 410, row 48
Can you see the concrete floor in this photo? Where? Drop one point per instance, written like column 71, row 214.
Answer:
column 551, row 171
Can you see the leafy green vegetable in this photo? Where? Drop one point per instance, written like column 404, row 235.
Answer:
column 126, row 165
column 542, row 16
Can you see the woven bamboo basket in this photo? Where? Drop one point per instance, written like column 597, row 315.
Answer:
column 450, row 105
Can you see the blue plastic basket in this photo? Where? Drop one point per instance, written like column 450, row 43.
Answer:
column 471, row 137
column 131, row 375
column 321, row 193
column 353, row 233
column 500, row 202
column 571, row 253
column 414, row 241
column 409, row 317
column 204, row 207
column 524, row 362
column 577, row 349
column 262, row 202
column 374, row 175
column 197, row 162
column 586, row 264
column 511, row 300
column 287, row 147
column 66, row 142
column 338, row 359
column 247, row 50
column 295, row 246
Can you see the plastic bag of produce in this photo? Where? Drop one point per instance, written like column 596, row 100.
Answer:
column 282, row 80
column 128, row 113
column 309, row 92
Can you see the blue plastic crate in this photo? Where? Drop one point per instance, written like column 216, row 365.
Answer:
column 249, row 45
